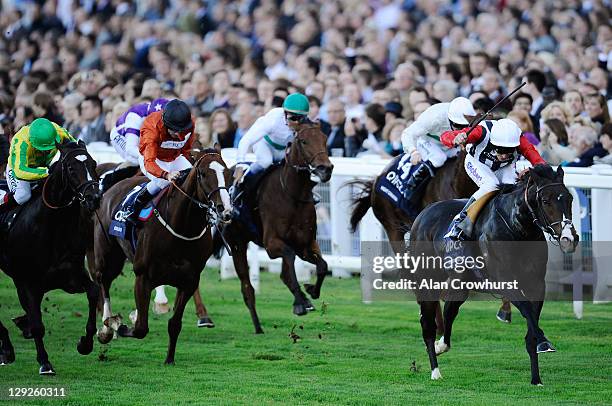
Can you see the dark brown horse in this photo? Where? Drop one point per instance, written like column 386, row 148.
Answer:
column 283, row 211
column 172, row 249
column 43, row 250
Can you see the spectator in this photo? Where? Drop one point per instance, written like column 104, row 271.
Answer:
column 415, row 96
column 554, row 146
column 521, row 118
column 535, row 84
column 151, row 90
column 44, row 106
column 574, row 102
column 421, row 107
column 597, row 109
column 202, row 100
column 93, row 121
column 352, row 101
column 336, row 136
column 445, row 90
column 222, row 128
column 584, row 141
column 523, row 101
column 606, row 142
column 205, row 139
column 70, row 108
column 392, row 136
column 221, row 86
column 366, row 138
column 245, row 117
column 559, row 111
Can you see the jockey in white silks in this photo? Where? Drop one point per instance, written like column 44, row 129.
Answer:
column 268, row 137
column 422, row 138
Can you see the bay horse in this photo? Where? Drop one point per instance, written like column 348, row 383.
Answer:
column 538, row 203
column 42, row 249
column 283, row 210
column 451, row 181
column 171, row 249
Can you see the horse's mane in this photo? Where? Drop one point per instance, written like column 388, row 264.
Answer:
column 542, row 171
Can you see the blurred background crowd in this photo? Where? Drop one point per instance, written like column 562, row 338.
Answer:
column 369, row 68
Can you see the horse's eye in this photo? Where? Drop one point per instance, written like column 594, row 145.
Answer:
column 546, row 202
column 303, row 142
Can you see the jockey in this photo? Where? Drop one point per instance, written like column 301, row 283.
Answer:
column 32, row 149
column 422, row 138
column 493, row 148
column 125, row 138
column 268, row 137
column 165, row 144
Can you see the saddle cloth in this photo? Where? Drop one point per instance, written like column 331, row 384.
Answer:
column 393, row 183
column 126, row 230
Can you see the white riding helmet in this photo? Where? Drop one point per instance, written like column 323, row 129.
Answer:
column 459, row 108
column 505, row 133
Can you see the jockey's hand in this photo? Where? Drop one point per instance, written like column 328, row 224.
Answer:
column 460, row 139
column 415, row 157
column 172, row 176
column 238, row 174
column 522, row 173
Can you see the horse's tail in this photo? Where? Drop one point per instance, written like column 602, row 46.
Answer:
column 217, row 243
column 362, row 202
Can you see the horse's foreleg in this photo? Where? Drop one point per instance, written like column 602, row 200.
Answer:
column 504, row 314
column 7, row 352
column 204, row 319
column 530, row 311
column 248, row 293
column 92, row 290
column 314, row 256
column 176, row 322
column 37, row 328
column 428, row 327
column 142, row 296
column 160, row 303
column 451, row 309
column 301, row 305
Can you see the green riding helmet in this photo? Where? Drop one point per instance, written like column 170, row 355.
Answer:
column 296, row 103
column 43, row 135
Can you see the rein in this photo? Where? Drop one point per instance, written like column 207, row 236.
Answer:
column 547, row 227
column 208, row 206
column 78, row 192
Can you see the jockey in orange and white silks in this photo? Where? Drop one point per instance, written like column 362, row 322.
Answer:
column 268, row 137
column 422, row 138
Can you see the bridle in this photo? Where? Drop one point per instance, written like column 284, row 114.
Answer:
column 78, row 192
column 539, row 217
column 208, row 206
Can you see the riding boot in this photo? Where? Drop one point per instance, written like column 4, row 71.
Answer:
column 244, row 188
column 8, row 204
column 460, row 228
column 418, row 178
column 140, row 202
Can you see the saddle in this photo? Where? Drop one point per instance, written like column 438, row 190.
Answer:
column 393, row 183
column 120, row 227
column 475, row 208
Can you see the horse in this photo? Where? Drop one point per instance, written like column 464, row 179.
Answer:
column 283, row 211
column 170, row 251
column 538, row 203
column 50, row 225
column 451, row 181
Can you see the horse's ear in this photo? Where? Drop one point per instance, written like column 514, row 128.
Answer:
column 217, row 146
column 560, row 173
column 81, row 143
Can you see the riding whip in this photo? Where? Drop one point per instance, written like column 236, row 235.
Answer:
column 473, row 124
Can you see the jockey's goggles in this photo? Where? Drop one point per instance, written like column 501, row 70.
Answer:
column 296, row 118
column 504, row 150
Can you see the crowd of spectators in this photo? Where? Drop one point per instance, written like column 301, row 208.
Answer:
column 369, row 68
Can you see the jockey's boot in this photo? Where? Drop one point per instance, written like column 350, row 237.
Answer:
column 244, row 188
column 8, row 203
column 418, row 178
column 459, row 230
column 140, row 202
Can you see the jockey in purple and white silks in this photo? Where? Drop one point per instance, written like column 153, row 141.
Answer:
column 422, row 138
column 125, row 136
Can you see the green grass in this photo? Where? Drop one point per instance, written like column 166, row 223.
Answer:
column 350, row 354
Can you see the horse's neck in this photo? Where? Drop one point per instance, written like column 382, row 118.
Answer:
column 179, row 209
column 515, row 211
column 297, row 182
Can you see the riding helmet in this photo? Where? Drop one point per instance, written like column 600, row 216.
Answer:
column 459, row 108
column 505, row 133
column 296, row 103
column 43, row 135
column 177, row 116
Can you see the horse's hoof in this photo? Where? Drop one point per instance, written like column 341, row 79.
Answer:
column 435, row 374
column 3, row 360
column 300, row 309
column 46, row 369
column 124, row 331
column 105, row 337
column 310, row 289
column 441, row 346
column 309, row 306
column 169, row 362
column 504, row 316
column 161, row 308
column 206, row 322
column 85, row 346
column 545, row 346
column 259, row 331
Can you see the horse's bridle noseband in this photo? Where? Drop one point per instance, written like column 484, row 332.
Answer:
column 547, row 226
column 307, row 165
column 78, row 191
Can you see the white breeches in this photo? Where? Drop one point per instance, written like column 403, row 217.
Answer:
column 433, row 152
column 157, row 184
column 486, row 179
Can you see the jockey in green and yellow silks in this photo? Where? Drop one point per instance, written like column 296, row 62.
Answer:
column 32, row 150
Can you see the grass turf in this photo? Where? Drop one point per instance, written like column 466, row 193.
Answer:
column 348, row 353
